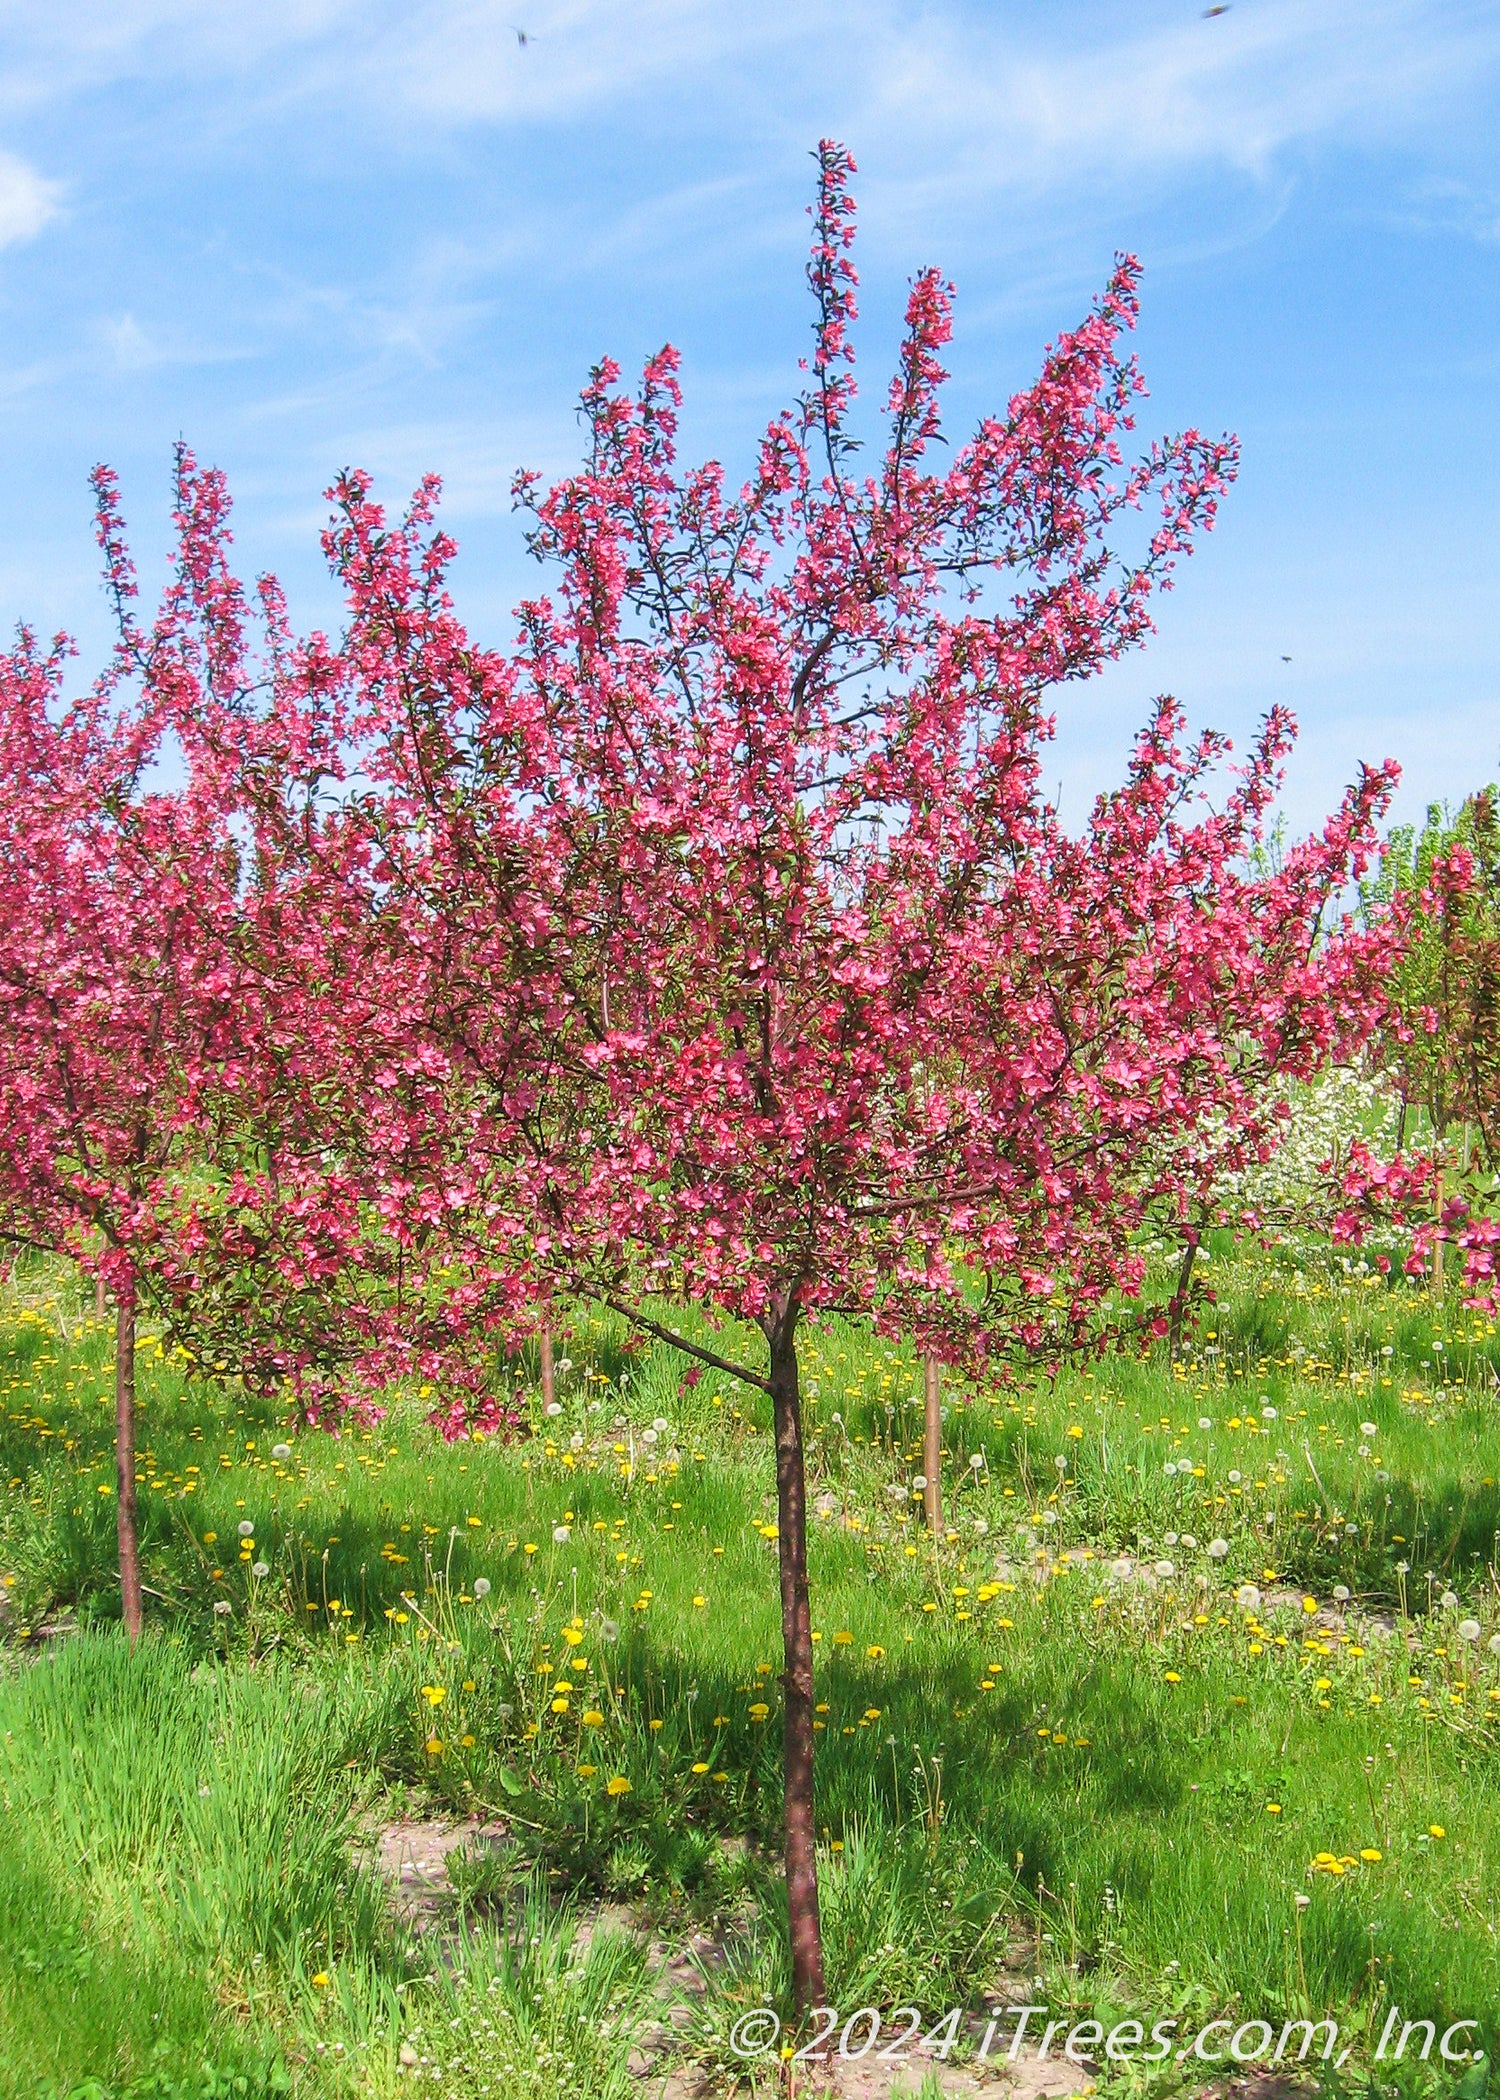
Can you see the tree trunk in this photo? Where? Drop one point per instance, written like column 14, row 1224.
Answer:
column 1437, row 1241
column 130, row 1556
column 800, row 1825
column 932, row 1442
column 101, row 1300
column 549, row 1376
column 1178, row 1305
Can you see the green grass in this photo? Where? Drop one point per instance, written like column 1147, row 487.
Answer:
column 1032, row 1764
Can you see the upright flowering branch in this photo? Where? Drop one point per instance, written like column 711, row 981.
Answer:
column 756, row 970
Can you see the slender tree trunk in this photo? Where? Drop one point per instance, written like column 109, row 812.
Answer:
column 1437, row 1243
column 932, row 1442
column 549, row 1376
column 130, row 1555
column 101, row 1301
column 801, row 1830
column 1178, row 1305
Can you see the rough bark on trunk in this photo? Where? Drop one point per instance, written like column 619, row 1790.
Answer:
column 125, row 1520
column 800, row 1824
column 932, row 1443
column 549, row 1376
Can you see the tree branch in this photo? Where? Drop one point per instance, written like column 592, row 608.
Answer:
column 677, row 1341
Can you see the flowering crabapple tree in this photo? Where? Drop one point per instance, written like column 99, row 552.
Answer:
column 113, row 999
column 765, row 975
column 1440, row 1050
column 180, row 956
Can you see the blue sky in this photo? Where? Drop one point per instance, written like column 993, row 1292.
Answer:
column 305, row 233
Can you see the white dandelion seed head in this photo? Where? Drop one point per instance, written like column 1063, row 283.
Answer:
column 1268, row 1414
column 1169, row 1538
column 281, row 1451
column 481, row 1587
column 919, row 1480
column 1218, row 1549
column 1368, row 1429
column 561, row 1533
column 259, row 1570
column 245, row 1528
column 610, row 1628
column 976, row 1461
column 1341, row 1593
column 1235, row 1477
column 1468, row 1629
column 553, row 1409
column 649, row 1436
column 1049, row 1516
column 1449, row 1599
column 1247, row 1597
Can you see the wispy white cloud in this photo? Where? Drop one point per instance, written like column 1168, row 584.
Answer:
column 1033, row 107
column 28, row 201
column 1018, row 95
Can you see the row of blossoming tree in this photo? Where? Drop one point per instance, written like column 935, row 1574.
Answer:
column 367, row 1000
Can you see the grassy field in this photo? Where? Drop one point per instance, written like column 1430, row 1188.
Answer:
column 1200, row 1641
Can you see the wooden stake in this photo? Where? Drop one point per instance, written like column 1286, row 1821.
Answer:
column 932, row 1442
column 125, row 1517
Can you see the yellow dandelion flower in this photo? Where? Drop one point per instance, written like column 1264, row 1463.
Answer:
column 618, row 1785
